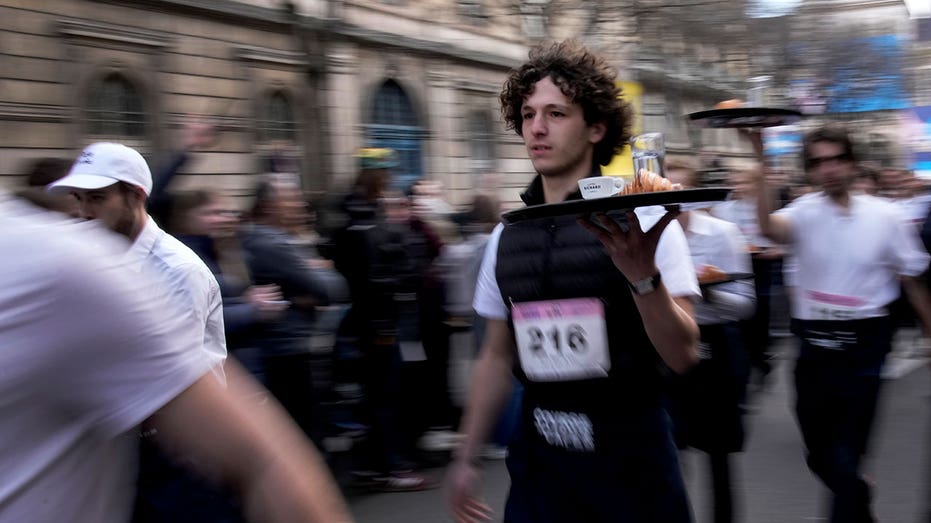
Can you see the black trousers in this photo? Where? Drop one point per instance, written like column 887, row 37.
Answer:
column 837, row 381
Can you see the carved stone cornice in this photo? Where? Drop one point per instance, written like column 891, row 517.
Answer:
column 439, row 79
column 341, row 63
column 34, row 112
column 79, row 29
column 268, row 55
column 221, row 122
column 479, row 86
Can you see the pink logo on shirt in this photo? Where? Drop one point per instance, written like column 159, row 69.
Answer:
column 834, row 299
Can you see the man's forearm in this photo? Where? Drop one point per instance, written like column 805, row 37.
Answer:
column 489, row 388
column 255, row 449
column 672, row 329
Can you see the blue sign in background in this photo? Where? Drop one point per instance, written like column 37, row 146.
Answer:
column 873, row 84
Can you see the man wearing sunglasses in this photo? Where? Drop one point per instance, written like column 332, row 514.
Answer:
column 853, row 250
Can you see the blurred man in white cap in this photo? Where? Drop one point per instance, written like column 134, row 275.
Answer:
column 90, row 354
column 111, row 183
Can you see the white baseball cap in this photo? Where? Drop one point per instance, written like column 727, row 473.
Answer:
column 102, row 164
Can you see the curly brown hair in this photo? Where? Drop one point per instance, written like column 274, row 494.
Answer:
column 585, row 79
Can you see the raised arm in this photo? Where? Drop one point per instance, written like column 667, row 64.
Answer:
column 776, row 228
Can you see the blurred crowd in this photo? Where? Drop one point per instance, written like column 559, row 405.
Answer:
column 351, row 330
column 354, row 330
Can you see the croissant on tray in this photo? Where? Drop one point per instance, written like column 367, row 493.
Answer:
column 646, row 181
column 711, row 274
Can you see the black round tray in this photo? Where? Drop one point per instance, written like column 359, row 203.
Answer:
column 615, row 203
column 745, row 117
column 731, row 276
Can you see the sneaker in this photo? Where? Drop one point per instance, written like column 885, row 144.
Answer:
column 404, row 482
column 439, row 440
column 494, row 452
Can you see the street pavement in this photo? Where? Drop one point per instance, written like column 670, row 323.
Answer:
column 771, row 481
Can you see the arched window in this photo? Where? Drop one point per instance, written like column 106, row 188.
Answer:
column 276, row 118
column 393, row 124
column 481, row 143
column 115, row 108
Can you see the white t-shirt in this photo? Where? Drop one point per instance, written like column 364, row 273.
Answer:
column 848, row 260
column 193, row 289
column 89, row 352
column 672, row 260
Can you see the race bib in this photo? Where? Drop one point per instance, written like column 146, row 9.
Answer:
column 833, row 307
column 562, row 340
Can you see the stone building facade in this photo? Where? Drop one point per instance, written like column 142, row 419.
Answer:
column 292, row 86
column 301, row 85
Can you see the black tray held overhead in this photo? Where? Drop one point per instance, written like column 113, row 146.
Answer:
column 743, row 117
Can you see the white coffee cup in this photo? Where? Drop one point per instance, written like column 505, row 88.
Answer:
column 600, row 186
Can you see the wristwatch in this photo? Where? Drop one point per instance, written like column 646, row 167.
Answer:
column 644, row 286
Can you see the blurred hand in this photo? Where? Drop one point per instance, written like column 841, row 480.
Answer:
column 267, row 300
column 461, row 484
column 197, row 134
column 770, row 253
column 755, row 136
column 319, row 263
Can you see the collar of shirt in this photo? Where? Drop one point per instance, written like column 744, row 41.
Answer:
column 837, row 211
column 144, row 245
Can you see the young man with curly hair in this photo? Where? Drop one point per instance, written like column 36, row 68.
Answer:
column 588, row 315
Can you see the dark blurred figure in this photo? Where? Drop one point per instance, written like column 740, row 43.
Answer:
column 207, row 223
column 371, row 254
column 42, row 172
column 705, row 401
column 427, row 340
column 275, row 257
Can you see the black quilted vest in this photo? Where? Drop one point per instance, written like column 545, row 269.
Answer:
column 555, row 258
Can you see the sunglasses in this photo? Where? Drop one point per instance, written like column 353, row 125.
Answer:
column 815, row 162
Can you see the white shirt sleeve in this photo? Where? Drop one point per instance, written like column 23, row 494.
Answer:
column 909, row 255
column 488, row 302
column 672, row 257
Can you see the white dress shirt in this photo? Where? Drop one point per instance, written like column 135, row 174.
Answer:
column 849, row 260
column 189, row 284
